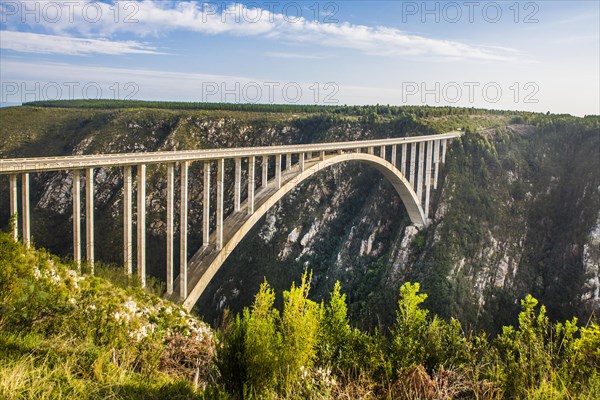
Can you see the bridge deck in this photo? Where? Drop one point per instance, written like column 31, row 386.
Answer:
column 40, row 164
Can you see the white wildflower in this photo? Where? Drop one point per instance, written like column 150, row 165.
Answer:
column 121, row 316
column 131, row 306
column 52, row 275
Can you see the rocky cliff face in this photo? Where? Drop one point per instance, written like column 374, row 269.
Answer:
column 517, row 210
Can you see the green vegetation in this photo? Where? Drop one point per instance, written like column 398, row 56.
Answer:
column 66, row 335
column 317, row 354
column 372, row 112
column 72, row 336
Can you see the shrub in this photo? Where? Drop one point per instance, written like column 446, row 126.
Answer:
column 409, row 331
column 299, row 326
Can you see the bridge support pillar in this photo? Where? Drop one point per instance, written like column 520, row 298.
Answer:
column 428, row 177
column 278, row 170
column 141, row 223
column 413, row 163
column 301, row 161
column 89, row 217
column 170, row 216
column 238, row 185
column 183, row 263
column 220, row 173
column 77, row 219
column 322, row 155
column 436, row 162
column 444, row 145
column 26, row 210
column 371, row 150
column 206, row 206
column 127, row 223
column 403, row 160
column 420, row 171
column 393, row 160
column 382, row 152
column 265, row 171
column 288, row 161
column 251, row 183
column 14, row 213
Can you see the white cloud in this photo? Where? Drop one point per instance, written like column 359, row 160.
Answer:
column 154, row 18
column 275, row 54
column 27, row 42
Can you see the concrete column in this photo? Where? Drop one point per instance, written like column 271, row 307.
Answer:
column 265, row 171
column 206, row 206
column 382, row 152
column 288, row 161
column 183, row 261
column 220, row 173
column 251, row 183
column 14, row 213
column 436, row 162
column 393, row 155
column 403, row 166
column 428, row 177
column 413, row 163
column 321, row 155
column 127, row 220
column 26, row 212
column 89, row 217
column 237, row 185
column 371, row 150
column 301, row 160
column 444, row 145
column 420, row 171
column 278, row 170
column 141, row 223
column 77, row 219
column 170, row 216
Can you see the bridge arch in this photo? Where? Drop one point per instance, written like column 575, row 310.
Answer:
column 389, row 171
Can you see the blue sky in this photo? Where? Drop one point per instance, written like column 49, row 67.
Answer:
column 535, row 56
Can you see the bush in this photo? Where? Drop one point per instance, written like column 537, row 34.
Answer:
column 409, row 331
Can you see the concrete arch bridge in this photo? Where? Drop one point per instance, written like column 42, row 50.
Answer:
column 411, row 164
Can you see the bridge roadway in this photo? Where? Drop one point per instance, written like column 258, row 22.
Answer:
column 41, row 164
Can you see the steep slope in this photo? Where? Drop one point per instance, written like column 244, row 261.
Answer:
column 69, row 335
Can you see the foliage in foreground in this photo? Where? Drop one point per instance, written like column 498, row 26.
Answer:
column 65, row 335
column 311, row 351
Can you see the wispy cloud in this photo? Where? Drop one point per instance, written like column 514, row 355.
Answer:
column 150, row 18
column 274, row 54
column 27, row 42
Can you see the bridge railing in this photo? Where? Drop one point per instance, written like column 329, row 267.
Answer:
column 417, row 158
